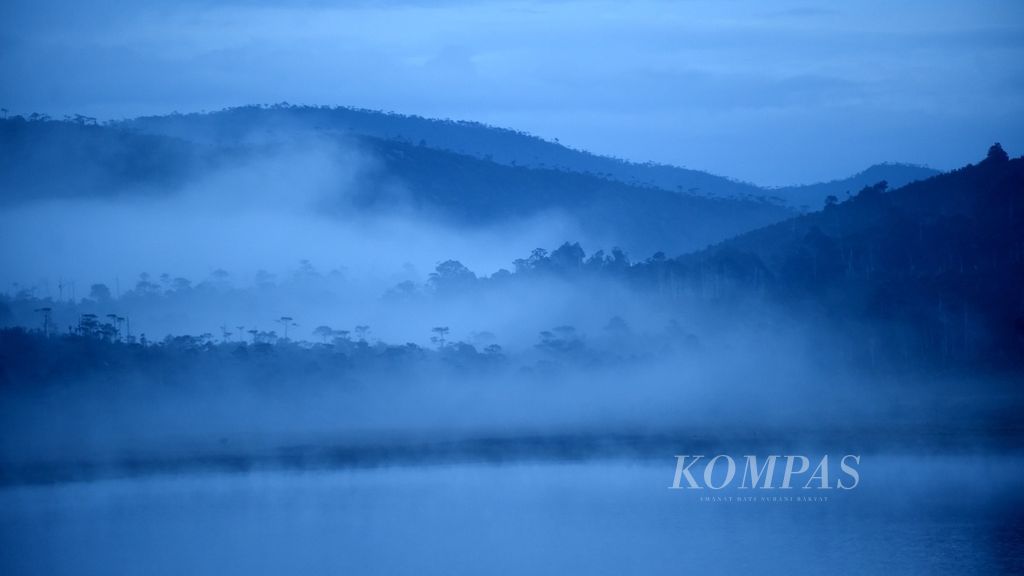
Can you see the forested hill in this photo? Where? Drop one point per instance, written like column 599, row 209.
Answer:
column 936, row 267
column 53, row 159
column 609, row 213
column 813, row 196
column 42, row 159
column 499, row 145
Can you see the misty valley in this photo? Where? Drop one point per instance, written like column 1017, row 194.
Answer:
column 347, row 341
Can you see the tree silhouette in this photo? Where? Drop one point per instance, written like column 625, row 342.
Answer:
column 88, row 325
column 568, row 257
column 451, row 275
column 47, row 313
column 996, row 154
column 441, row 332
column 324, row 332
column 99, row 292
column 286, row 322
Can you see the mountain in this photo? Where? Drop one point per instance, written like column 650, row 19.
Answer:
column 498, row 145
column 812, row 196
column 932, row 270
column 47, row 159
column 641, row 220
column 464, row 172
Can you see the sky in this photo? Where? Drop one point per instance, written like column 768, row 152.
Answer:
column 773, row 92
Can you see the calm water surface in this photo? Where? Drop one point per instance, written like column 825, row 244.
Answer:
column 910, row 515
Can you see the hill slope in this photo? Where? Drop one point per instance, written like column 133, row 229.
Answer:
column 813, row 195
column 499, row 145
column 69, row 160
column 934, row 269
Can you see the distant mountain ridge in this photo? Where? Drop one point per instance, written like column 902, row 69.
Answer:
column 812, row 196
column 499, row 145
column 507, row 147
column 50, row 159
column 467, row 172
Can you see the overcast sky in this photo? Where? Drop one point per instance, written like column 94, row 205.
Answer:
column 772, row 92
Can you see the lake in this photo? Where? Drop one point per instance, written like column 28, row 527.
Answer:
column 911, row 514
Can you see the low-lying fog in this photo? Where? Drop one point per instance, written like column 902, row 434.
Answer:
column 278, row 245
column 289, row 203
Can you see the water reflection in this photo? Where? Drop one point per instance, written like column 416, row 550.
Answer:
column 911, row 515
